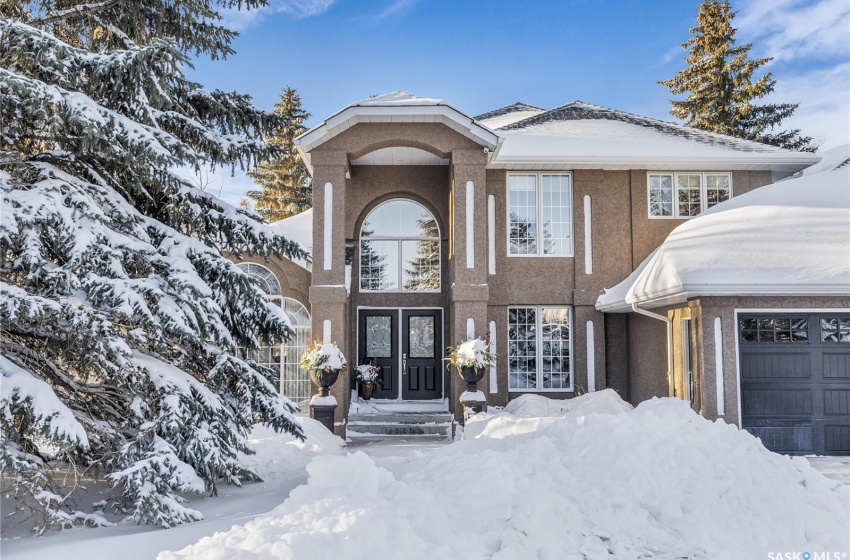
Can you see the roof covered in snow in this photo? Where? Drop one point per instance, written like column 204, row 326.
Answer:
column 788, row 238
column 508, row 115
column 298, row 228
column 580, row 135
column 577, row 135
column 395, row 107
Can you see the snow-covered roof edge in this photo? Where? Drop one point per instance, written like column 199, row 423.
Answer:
column 622, row 297
column 394, row 107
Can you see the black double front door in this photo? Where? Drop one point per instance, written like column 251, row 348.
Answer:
column 407, row 346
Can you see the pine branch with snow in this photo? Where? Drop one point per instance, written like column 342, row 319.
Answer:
column 119, row 316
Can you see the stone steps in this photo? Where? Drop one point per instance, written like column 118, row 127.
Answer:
column 400, row 424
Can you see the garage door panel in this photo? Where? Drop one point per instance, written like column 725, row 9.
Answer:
column 837, row 440
column 775, row 402
column 836, row 401
column 836, row 366
column 795, row 389
column 772, row 366
column 785, row 439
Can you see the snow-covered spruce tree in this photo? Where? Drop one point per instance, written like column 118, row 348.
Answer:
column 284, row 181
column 118, row 315
column 720, row 88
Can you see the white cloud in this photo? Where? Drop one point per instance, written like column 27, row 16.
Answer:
column 824, row 97
column 810, row 43
column 396, row 7
column 240, row 20
column 795, row 29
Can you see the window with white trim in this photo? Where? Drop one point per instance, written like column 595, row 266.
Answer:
column 684, row 195
column 400, row 249
column 540, row 214
column 539, row 348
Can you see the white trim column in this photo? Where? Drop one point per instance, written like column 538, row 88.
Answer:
column 591, row 358
column 328, row 230
column 718, row 366
column 469, row 218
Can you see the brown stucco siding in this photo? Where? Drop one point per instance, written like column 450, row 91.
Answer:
column 647, row 358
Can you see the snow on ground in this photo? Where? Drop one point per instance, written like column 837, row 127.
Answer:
column 280, row 460
column 592, row 479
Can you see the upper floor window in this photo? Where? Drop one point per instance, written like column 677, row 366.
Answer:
column 682, row 195
column 540, row 214
column 400, row 249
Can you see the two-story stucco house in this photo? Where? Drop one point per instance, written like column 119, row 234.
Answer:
column 429, row 226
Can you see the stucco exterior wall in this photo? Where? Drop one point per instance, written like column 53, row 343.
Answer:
column 647, row 358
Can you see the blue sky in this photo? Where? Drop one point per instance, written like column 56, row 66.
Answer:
column 484, row 54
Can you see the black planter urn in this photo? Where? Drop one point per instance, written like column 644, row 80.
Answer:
column 323, row 379
column 471, row 376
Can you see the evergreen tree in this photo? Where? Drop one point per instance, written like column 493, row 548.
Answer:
column 720, row 88
column 286, row 188
column 422, row 272
column 118, row 315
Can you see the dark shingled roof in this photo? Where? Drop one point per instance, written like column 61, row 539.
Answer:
column 578, row 110
column 508, row 110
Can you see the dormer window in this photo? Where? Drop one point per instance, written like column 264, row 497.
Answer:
column 400, row 249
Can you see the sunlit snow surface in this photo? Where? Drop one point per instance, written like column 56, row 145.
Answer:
column 588, row 478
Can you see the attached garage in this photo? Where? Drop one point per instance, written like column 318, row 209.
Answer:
column 795, row 381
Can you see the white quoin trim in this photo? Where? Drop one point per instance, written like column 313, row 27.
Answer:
column 591, row 359
column 494, row 384
column 491, row 233
column 326, row 331
column 588, row 237
column 470, row 225
column 718, row 366
column 470, row 328
column 327, row 245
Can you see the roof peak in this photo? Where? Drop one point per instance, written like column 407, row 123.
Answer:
column 507, row 109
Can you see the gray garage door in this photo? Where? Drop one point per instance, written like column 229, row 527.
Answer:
column 795, row 381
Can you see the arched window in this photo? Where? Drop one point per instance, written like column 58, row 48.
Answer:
column 268, row 281
column 294, row 382
column 400, row 249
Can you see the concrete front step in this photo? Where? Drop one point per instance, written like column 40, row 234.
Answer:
column 403, row 418
column 400, row 424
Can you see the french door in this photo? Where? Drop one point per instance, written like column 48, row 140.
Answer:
column 407, row 346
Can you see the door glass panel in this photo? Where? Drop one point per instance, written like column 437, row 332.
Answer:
column 379, row 337
column 421, row 337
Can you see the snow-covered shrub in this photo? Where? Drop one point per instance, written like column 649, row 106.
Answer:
column 326, row 357
column 474, row 353
column 118, row 313
column 368, row 373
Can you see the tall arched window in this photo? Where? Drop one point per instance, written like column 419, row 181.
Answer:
column 294, row 382
column 400, row 249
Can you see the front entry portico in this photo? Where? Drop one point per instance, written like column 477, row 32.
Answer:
column 407, row 346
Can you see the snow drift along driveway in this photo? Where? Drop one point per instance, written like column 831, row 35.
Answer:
column 590, row 479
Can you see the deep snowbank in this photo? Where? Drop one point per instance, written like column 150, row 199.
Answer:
column 592, row 480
